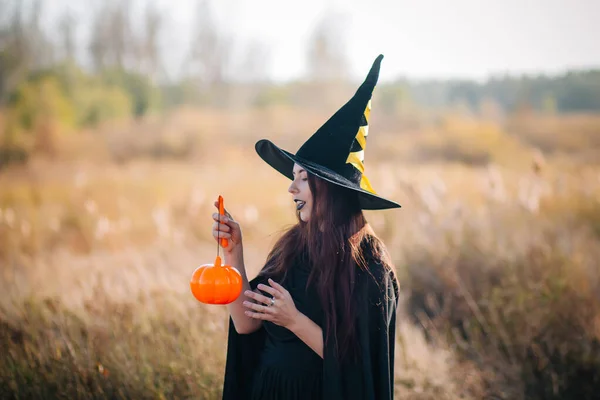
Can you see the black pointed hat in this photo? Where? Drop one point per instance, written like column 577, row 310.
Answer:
column 335, row 152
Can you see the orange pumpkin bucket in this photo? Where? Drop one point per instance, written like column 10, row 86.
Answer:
column 216, row 283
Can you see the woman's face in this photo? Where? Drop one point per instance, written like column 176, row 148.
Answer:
column 301, row 193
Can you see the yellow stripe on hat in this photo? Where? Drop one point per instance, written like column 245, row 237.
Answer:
column 361, row 137
column 357, row 158
column 354, row 159
column 366, row 185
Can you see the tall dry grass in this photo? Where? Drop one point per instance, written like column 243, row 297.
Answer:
column 498, row 262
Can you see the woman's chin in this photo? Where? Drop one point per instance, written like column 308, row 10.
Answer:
column 303, row 216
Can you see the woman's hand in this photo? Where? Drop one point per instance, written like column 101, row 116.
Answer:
column 278, row 308
column 225, row 227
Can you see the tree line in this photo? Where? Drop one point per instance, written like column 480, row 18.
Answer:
column 573, row 91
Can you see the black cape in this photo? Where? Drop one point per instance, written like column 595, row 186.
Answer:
column 370, row 378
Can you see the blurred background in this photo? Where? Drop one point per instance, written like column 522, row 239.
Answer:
column 122, row 121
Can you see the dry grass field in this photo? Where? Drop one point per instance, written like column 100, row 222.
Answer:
column 497, row 246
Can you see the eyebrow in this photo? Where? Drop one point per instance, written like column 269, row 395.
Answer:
column 299, row 171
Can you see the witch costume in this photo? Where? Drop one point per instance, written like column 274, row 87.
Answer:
column 272, row 363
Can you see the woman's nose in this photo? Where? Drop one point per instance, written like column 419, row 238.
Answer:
column 292, row 188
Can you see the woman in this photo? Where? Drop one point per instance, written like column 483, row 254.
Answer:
column 319, row 319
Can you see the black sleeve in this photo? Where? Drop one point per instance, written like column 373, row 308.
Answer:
column 243, row 352
column 372, row 377
column 383, row 303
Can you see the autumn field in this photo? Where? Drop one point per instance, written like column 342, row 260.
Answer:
column 496, row 245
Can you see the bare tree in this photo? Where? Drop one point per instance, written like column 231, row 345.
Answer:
column 210, row 51
column 42, row 50
column 98, row 46
column 8, row 60
column 120, row 36
column 23, row 44
column 254, row 63
column 326, row 57
column 66, row 27
column 327, row 65
column 149, row 51
column 112, row 41
column 250, row 74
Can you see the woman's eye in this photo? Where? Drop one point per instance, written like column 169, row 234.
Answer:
column 305, row 179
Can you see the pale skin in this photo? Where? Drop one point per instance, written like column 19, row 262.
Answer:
column 249, row 312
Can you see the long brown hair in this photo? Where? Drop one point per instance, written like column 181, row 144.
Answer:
column 333, row 240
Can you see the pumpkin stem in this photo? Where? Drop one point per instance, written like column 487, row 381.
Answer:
column 218, row 262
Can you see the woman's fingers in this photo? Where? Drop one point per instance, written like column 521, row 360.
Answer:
column 260, row 311
column 225, row 227
column 220, row 218
column 258, row 297
column 221, row 227
column 258, row 307
column 274, row 292
column 257, row 315
column 221, row 235
column 224, row 209
column 277, row 286
column 221, row 231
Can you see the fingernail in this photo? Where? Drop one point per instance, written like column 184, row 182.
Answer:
column 246, row 303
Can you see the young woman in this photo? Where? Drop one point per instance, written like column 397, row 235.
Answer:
column 318, row 322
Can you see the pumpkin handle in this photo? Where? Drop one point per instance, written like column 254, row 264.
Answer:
column 222, row 212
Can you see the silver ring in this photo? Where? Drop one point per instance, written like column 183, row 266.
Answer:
column 272, row 302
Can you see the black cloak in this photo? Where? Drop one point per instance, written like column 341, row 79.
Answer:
column 369, row 379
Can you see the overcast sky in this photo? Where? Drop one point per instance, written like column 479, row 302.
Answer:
column 419, row 38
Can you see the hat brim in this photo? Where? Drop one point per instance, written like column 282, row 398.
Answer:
column 283, row 161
